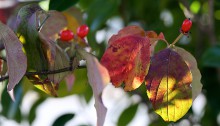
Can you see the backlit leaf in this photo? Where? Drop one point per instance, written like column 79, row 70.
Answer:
column 16, row 59
column 128, row 57
column 192, row 64
column 44, row 85
column 168, row 85
column 98, row 78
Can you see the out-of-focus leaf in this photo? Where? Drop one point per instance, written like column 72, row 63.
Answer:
column 16, row 59
column 168, row 85
column 26, row 24
column 97, row 18
column 128, row 57
column 54, row 22
column 98, row 78
column 61, row 61
column 62, row 120
column 211, row 57
column 32, row 113
column 44, row 85
column 127, row 115
column 74, row 18
column 11, row 109
column 192, row 64
column 70, row 79
column 61, row 5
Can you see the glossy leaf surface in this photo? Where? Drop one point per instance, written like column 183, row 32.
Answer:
column 128, row 57
column 168, row 85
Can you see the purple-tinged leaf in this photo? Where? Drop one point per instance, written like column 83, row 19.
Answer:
column 16, row 59
column 70, row 79
column 168, row 85
column 98, row 78
column 192, row 64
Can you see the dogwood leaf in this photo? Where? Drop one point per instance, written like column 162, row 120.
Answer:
column 192, row 64
column 128, row 57
column 98, row 78
column 168, row 85
column 16, row 59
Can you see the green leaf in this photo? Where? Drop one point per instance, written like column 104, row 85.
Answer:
column 127, row 115
column 27, row 27
column 211, row 57
column 61, row 5
column 16, row 59
column 97, row 18
column 32, row 112
column 169, row 85
column 61, row 121
column 11, row 109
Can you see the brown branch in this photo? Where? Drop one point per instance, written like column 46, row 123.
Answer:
column 45, row 72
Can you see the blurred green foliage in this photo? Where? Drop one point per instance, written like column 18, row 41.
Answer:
column 161, row 16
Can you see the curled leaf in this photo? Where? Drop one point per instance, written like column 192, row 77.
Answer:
column 168, row 85
column 192, row 64
column 98, row 78
column 128, row 57
column 16, row 59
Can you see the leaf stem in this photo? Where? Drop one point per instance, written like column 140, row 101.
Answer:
column 45, row 72
column 176, row 40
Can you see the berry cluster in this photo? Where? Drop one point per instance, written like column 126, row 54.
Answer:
column 67, row 35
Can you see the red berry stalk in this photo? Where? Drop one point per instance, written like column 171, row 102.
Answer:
column 186, row 26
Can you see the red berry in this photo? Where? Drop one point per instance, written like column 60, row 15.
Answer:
column 186, row 26
column 66, row 35
column 82, row 31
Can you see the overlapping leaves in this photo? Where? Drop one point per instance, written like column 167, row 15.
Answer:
column 172, row 80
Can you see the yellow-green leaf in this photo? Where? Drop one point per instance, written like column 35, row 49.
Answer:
column 168, row 85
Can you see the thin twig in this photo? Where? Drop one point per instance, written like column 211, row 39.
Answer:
column 45, row 72
column 176, row 40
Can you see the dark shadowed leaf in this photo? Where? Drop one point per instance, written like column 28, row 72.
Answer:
column 26, row 24
column 128, row 57
column 61, row 5
column 211, row 57
column 62, row 120
column 127, row 115
column 98, row 78
column 32, row 112
column 97, row 18
column 61, row 61
column 168, row 85
column 192, row 64
column 16, row 59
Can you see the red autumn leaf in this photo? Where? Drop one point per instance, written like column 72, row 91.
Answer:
column 16, row 59
column 128, row 57
column 168, row 85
